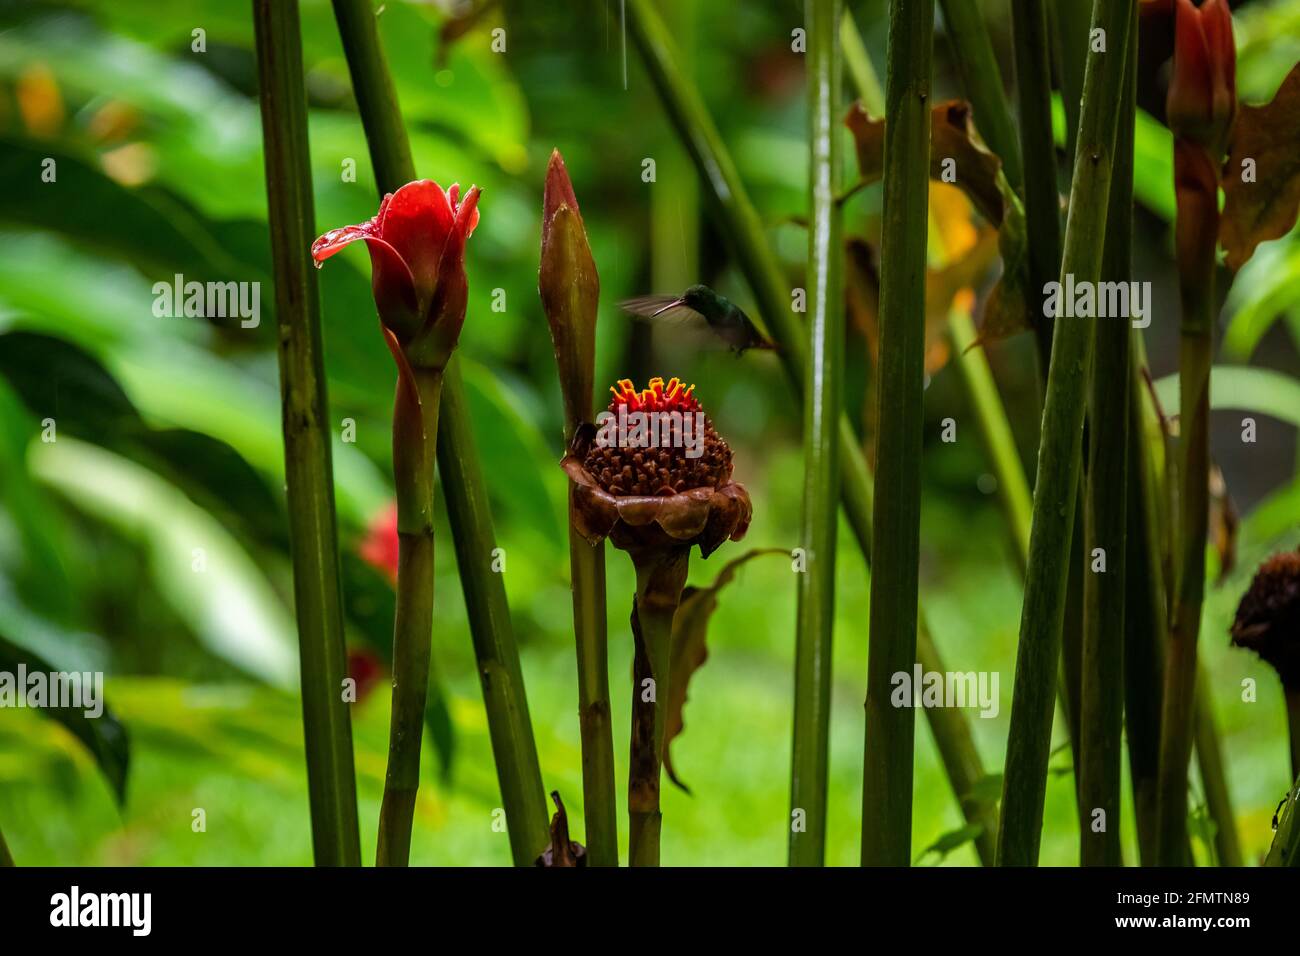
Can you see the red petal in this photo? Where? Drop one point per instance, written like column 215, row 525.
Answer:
column 415, row 222
column 393, row 287
column 334, row 240
column 454, row 193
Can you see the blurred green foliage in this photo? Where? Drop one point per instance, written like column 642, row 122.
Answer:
column 168, row 429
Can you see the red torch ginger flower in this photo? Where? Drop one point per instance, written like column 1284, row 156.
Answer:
column 379, row 548
column 417, row 259
column 1202, row 99
column 655, row 473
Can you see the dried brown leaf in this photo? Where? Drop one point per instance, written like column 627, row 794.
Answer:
column 1266, row 207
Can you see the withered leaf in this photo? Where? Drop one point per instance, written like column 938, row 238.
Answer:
column 979, row 175
column 689, row 647
column 1266, row 207
column 562, row 851
column 952, row 137
column 1224, row 522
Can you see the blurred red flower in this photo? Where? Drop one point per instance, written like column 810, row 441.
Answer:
column 379, row 547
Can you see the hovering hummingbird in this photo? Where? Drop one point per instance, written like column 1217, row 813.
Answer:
column 700, row 305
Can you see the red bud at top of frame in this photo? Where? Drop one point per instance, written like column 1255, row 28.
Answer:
column 1202, row 99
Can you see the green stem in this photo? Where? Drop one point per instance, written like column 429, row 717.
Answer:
column 415, row 429
column 888, row 756
column 1209, row 756
column 981, row 78
column 600, row 803
column 1038, row 653
column 660, row 577
column 981, row 395
column 1042, row 194
column 318, row 603
column 514, row 750
column 822, row 401
column 858, row 65
column 1071, row 19
column 1144, row 618
column 1105, row 519
column 674, row 213
column 952, row 735
column 500, row 674
column 6, row 858
column 1196, row 228
column 737, row 220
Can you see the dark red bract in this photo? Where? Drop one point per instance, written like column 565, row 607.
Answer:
column 1202, row 99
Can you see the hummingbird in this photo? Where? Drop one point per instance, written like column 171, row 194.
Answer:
column 700, row 305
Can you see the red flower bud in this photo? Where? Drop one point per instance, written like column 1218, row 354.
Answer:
column 1202, row 99
column 417, row 260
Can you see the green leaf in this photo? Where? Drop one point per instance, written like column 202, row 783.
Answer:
column 952, row 840
column 987, row 789
column 207, row 577
column 104, row 736
column 1266, row 288
column 1241, row 388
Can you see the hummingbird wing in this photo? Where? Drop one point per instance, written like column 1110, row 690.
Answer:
column 661, row 308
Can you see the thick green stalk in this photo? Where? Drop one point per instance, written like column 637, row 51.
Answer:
column 1145, row 635
column 569, row 287
column 822, row 401
column 6, row 858
column 1071, row 20
column 736, row 218
column 1214, row 779
column 1105, row 519
column 1042, row 195
column 660, row 577
column 318, row 602
column 896, row 539
column 1144, row 618
column 981, row 78
column 500, row 674
column 587, row 567
column 1196, row 229
column 1059, row 453
column 675, row 213
column 514, row 750
column 415, row 430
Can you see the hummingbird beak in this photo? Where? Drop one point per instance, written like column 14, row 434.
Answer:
column 671, row 305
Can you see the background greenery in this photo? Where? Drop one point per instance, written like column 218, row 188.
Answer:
column 168, row 428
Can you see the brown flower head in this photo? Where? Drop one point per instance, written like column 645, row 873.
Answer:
column 1268, row 618
column 655, row 473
